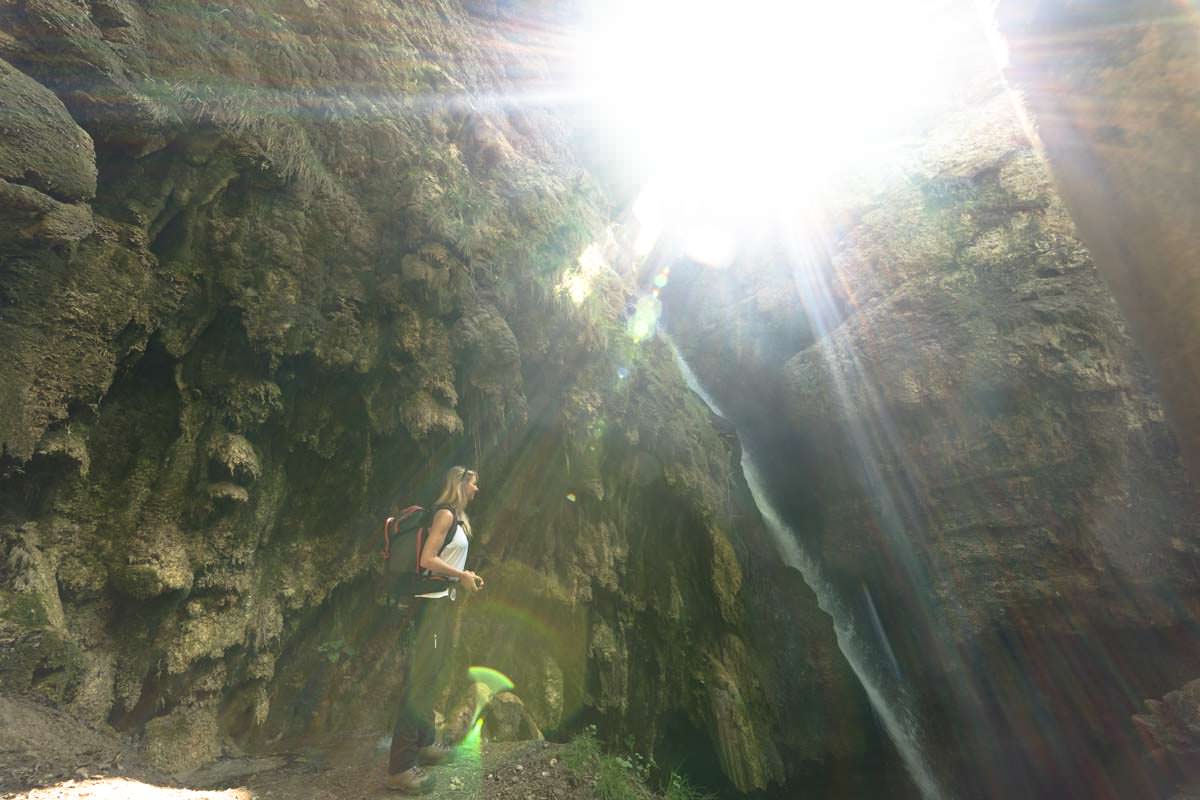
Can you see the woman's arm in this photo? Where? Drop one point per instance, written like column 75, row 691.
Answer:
column 430, row 560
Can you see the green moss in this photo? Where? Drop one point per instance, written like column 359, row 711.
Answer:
column 249, row 403
column 24, row 609
column 37, row 657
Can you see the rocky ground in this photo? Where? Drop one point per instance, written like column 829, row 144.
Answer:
column 356, row 769
column 48, row 755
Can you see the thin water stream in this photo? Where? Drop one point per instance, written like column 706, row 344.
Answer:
column 887, row 702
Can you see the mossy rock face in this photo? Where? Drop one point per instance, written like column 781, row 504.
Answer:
column 250, row 403
column 34, row 656
column 232, row 458
column 24, row 609
column 183, row 740
column 526, row 627
column 153, row 564
column 295, row 308
column 149, row 579
column 43, row 147
column 508, row 721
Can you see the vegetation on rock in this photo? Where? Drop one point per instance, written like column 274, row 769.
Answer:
column 320, row 263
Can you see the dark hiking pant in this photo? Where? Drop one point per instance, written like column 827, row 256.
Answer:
column 427, row 679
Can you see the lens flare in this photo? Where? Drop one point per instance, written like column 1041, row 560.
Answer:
column 644, row 320
column 472, row 744
column 494, row 680
column 579, row 281
column 488, row 683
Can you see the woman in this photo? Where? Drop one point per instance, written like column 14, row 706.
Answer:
column 413, row 740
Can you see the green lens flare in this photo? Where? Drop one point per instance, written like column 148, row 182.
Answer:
column 473, row 741
column 488, row 684
column 494, row 680
column 644, row 320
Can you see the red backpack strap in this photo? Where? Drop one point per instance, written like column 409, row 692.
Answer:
column 420, row 537
column 391, row 523
column 387, row 539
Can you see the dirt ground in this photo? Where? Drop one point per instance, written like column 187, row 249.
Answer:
column 40, row 745
column 48, row 755
column 505, row 771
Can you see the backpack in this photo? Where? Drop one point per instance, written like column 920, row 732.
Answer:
column 403, row 539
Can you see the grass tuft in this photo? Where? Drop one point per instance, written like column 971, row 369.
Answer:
column 680, row 788
column 582, row 753
column 619, row 777
column 616, row 780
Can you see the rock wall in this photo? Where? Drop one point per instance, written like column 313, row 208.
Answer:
column 1111, row 91
column 963, row 430
column 266, row 267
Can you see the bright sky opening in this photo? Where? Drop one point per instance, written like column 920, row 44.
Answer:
column 739, row 111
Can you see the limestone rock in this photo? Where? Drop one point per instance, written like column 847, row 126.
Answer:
column 183, row 740
column 155, row 563
column 961, row 430
column 506, row 720
column 40, row 145
column 85, row 70
column 232, row 457
column 1174, row 721
column 27, row 215
column 1124, row 159
column 225, row 493
column 304, row 307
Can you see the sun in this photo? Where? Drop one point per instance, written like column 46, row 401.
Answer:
column 743, row 110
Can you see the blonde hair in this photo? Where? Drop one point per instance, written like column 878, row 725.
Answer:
column 454, row 493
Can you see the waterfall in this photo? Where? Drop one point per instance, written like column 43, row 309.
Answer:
column 889, row 706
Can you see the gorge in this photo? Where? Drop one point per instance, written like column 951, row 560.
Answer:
column 268, row 267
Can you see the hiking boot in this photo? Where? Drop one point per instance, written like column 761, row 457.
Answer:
column 435, row 754
column 411, row 781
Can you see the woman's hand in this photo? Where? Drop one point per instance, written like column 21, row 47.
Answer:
column 472, row 581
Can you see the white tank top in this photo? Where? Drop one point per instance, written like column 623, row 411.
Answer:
column 454, row 554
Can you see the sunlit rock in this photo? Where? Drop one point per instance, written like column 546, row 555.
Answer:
column 506, row 720
column 953, row 414
column 227, row 493
column 1110, row 93
column 184, row 739
column 154, row 563
column 232, row 458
